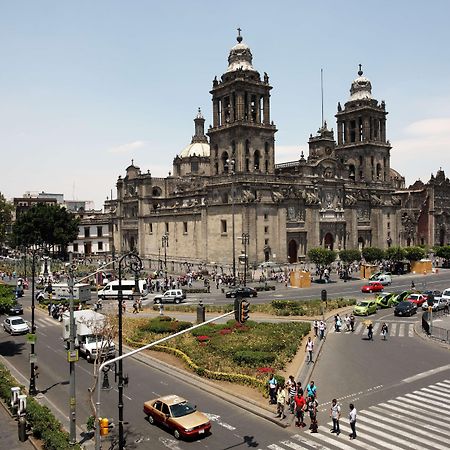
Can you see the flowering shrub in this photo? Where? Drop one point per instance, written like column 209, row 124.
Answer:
column 203, row 338
column 265, row 370
column 225, row 331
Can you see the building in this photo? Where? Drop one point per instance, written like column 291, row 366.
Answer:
column 226, row 194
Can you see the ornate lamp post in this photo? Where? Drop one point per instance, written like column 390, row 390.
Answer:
column 231, row 163
column 245, row 242
column 132, row 262
column 165, row 244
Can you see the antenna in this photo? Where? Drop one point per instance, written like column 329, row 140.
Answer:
column 321, row 92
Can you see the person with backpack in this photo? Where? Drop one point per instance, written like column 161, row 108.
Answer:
column 312, row 409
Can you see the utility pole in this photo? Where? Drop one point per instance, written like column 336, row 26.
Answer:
column 72, row 357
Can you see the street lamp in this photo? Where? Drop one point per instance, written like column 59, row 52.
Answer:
column 165, row 244
column 231, row 163
column 245, row 242
column 132, row 262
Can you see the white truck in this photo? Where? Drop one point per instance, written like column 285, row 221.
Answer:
column 61, row 291
column 89, row 334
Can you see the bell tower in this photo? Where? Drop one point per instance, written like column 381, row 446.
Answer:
column 361, row 133
column 241, row 129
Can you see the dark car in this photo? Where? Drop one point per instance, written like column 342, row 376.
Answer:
column 244, row 291
column 405, row 309
column 16, row 309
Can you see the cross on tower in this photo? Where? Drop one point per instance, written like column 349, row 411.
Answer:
column 360, row 72
column 239, row 38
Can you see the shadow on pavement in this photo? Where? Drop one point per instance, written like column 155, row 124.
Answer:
column 11, row 348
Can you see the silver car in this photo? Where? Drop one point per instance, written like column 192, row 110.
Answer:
column 16, row 325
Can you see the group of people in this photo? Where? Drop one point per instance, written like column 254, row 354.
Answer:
column 301, row 403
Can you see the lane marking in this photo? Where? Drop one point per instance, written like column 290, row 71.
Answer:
column 216, row 418
column 401, row 330
column 341, row 444
column 411, row 331
column 426, row 374
column 374, row 440
column 393, row 329
column 306, row 441
column 416, row 401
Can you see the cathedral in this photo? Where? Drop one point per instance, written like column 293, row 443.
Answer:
column 226, row 198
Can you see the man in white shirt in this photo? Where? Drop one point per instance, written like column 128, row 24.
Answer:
column 309, row 348
column 352, row 420
column 335, row 414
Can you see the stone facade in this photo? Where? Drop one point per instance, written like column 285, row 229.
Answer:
column 344, row 194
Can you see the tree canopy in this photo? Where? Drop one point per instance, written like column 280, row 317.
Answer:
column 395, row 254
column 373, row 254
column 46, row 225
column 322, row 258
column 443, row 252
column 350, row 255
column 414, row 253
column 6, row 210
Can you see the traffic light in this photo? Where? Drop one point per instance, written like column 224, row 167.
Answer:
column 323, row 295
column 241, row 310
column 104, row 426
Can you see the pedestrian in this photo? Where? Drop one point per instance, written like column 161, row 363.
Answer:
column 335, row 414
column 281, row 401
column 311, row 389
column 36, row 371
column 337, row 323
column 135, row 307
column 316, row 328
column 322, row 327
column 384, row 330
column 161, row 309
column 352, row 420
column 140, row 304
column 291, row 388
column 272, row 389
column 352, row 322
column 49, row 307
column 312, row 409
column 300, row 407
column 124, row 306
column 370, row 331
column 347, row 322
column 413, row 286
column 309, row 348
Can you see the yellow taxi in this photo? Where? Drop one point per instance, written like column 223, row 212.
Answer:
column 177, row 415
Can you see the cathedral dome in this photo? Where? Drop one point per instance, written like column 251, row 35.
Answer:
column 195, row 149
column 240, row 57
column 361, row 87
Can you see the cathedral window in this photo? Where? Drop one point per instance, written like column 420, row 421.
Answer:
column 167, row 227
column 266, row 216
column 216, row 168
column 351, row 172
column 150, row 228
column 253, row 108
column 352, row 131
column 227, row 109
column 225, row 165
column 247, row 165
column 257, row 159
column 267, row 166
column 266, row 229
column 194, row 166
column 185, row 227
column 378, row 171
column 223, row 226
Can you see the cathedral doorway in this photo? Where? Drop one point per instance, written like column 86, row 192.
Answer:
column 360, row 243
column 267, row 254
column 329, row 241
column 293, row 251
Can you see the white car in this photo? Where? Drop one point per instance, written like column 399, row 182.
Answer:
column 385, row 279
column 16, row 325
column 438, row 304
column 446, row 295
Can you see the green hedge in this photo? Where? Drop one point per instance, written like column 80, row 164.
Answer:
column 43, row 423
column 165, row 324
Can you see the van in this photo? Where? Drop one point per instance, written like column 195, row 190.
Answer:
column 384, row 278
column 61, row 291
column 111, row 290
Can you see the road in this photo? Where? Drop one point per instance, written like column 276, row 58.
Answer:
column 373, row 374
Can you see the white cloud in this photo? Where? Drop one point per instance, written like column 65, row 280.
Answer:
column 423, row 149
column 127, row 148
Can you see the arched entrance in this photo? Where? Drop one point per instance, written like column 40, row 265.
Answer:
column 329, row 241
column 293, row 251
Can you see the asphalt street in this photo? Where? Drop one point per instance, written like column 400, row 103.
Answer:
column 384, row 379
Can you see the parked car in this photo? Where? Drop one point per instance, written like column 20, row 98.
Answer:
column 405, row 309
column 435, row 294
column 16, row 325
column 177, row 415
column 446, row 295
column 383, row 299
column 438, row 304
column 243, row 291
column 418, row 299
column 170, row 296
column 373, row 286
column 16, row 309
column 365, row 307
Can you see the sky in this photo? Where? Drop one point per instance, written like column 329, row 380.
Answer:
column 87, row 86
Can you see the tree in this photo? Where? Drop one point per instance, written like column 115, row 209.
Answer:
column 443, row 252
column 414, row 253
column 321, row 257
column 373, row 254
column 395, row 254
column 6, row 298
column 348, row 257
column 46, row 225
column 6, row 210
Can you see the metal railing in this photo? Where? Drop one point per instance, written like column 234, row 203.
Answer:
column 442, row 334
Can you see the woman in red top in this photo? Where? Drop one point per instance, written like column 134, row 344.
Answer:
column 300, row 406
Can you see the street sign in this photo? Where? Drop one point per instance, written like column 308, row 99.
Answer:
column 33, row 358
column 31, row 338
column 72, row 356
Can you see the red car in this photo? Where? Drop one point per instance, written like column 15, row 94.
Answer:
column 417, row 299
column 373, row 286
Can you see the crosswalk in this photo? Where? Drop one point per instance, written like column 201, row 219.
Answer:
column 396, row 329
column 46, row 321
column 417, row 420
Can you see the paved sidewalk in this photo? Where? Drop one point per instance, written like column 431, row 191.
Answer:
column 9, row 437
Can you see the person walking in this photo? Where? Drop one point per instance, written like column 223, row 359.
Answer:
column 413, row 285
column 352, row 323
column 370, row 331
column 312, row 409
column 322, row 327
column 352, row 420
column 311, row 389
column 335, row 414
column 384, row 330
column 272, row 389
column 291, row 388
column 309, row 348
column 316, row 328
column 281, row 401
